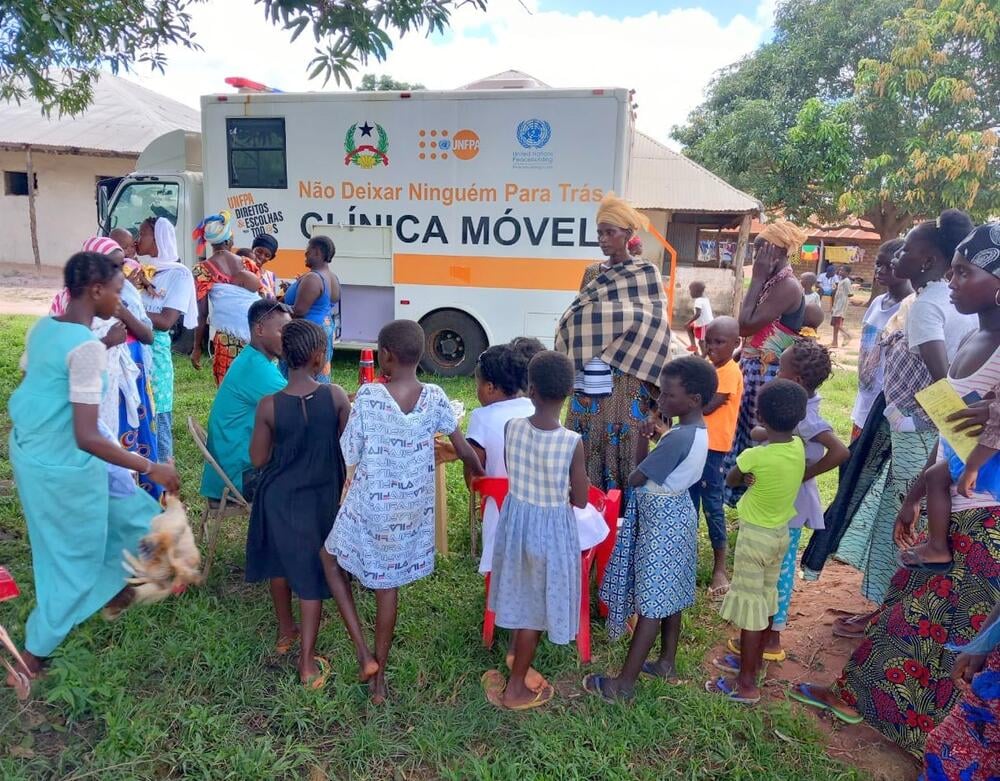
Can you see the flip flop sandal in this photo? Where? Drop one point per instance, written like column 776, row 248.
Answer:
column 918, row 565
column 847, row 633
column 802, row 692
column 493, row 686
column 769, row 656
column 286, row 644
column 318, row 681
column 543, row 697
column 730, row 663
column 650, row 672
column 721, row 686
column 592, row 685
column 718, row 593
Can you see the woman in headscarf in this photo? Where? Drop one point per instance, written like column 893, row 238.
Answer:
column 126, row 407
column 772, row 313
column 898, row 678
column 265, row 248
column 171, row 298
column 617, row 333
column 80, row 501
column 314, row 295
column 898, row 436
column 231, row 285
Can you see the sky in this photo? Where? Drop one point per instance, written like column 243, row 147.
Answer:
column 666, row 51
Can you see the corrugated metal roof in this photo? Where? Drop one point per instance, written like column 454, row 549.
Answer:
column 123, row 119
column 660, row 178
column 863, row 231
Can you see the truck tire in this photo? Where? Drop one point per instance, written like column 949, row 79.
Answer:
column 181, row 339
column 453, row 343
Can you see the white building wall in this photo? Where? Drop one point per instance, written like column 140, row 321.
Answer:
column 64, row 204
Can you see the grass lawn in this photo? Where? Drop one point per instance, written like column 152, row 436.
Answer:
column 190, row 688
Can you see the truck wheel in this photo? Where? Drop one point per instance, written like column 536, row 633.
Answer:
column 181, row 339
column 453, row 344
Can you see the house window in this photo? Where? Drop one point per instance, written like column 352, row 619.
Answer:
column 256, row 152
column 16, row 183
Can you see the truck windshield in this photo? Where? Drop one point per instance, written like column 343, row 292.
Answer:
column 138, row 201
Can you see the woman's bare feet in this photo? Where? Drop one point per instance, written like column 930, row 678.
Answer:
column 926, row 553
column 533, row 679
column 367, row 667
column 379, row 688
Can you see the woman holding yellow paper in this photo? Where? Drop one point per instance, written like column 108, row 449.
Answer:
column 974, row 280
column 899, row 678
column 916, row 355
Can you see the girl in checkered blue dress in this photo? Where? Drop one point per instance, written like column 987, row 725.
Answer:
column 535, row 584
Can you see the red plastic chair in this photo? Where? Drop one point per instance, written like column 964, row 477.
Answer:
column 611, row 510
column 608, row 504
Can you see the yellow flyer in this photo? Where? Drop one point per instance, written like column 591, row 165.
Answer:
column 940, row 400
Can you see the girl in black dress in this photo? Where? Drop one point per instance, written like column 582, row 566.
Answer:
column 296, row 444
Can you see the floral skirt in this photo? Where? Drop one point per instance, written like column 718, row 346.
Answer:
column 966, row 745
column 607, row 425
column 899, row 678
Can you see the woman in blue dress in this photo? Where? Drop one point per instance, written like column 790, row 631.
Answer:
column 314, row 295
column 80, row 501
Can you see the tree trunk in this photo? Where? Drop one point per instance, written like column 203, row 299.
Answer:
column 32, row 220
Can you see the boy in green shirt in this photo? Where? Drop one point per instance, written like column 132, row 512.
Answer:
column 774, row 473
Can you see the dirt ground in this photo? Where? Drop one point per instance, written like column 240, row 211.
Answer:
column 25, row 290
column 816, row 656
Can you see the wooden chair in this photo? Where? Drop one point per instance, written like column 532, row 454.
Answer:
column 231, row 504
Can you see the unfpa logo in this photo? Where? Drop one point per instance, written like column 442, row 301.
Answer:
column 441, row 144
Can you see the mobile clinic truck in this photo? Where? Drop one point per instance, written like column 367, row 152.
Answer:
column 471, row 212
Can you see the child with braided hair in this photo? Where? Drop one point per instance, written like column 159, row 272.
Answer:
column 296, row 444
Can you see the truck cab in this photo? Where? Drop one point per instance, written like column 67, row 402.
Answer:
column 167, row 183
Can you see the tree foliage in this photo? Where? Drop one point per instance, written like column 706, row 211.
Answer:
column 891, row 120
column 53, row 50
column 349, row 32
column 372, row 83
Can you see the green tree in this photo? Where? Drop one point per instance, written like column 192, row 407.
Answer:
column 53, row 51
column 372, row 83
column 891, row 120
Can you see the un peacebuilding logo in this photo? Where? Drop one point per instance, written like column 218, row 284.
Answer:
column 533, row 135
column 364, row 149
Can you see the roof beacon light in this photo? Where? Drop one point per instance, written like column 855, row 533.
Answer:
column 246, row 85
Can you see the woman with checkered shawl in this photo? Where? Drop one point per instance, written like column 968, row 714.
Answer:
column 617, row 333
column 770, row 317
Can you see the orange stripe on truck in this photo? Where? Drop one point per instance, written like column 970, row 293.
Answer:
column 461, row 270
column 480, row 271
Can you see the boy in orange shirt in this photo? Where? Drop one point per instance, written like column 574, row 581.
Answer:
column 722, row 337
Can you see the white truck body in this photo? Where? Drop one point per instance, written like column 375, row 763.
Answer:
column 471, row 212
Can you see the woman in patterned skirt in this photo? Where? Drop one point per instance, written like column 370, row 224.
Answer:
column 772, row 312
column 613, row 355
column 899, row 678
column 231, row 284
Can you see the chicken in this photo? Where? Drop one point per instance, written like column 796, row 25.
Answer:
column 168, row 560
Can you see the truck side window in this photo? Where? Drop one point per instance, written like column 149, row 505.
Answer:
column 256, row 151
